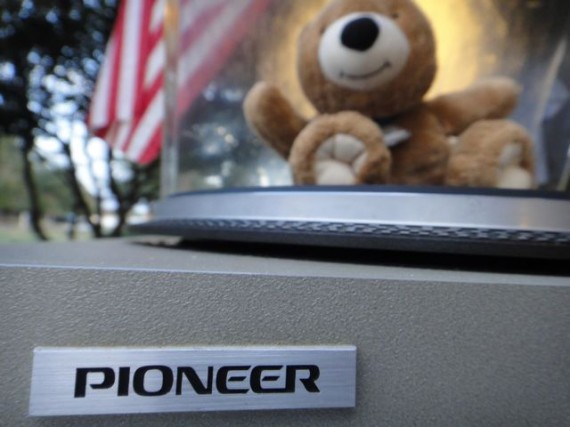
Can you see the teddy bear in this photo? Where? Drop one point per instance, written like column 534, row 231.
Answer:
column 366, row 66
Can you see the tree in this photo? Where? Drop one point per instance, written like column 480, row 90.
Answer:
column 50, row 53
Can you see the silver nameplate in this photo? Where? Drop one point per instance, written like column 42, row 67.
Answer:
column 88, row 381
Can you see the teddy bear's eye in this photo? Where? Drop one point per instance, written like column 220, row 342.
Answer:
column 395, row 15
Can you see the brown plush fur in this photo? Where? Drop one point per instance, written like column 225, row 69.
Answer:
column 475, row 161
column 325, row 126
column 427, row 157
column 401, row 94
column 273, row 117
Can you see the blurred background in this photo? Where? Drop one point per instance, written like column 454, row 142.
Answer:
column 57, row 181
column 60, row 181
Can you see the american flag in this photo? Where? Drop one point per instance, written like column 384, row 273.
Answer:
column 128, row 106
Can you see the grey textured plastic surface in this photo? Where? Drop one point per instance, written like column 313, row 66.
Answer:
column 434, row 347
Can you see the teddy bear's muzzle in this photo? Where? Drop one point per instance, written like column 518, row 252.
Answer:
column 363, row 51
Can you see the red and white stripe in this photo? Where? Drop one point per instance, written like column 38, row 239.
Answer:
column 209, row 33
column 127, row 108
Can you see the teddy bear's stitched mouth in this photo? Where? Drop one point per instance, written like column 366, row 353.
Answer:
column 380, row 70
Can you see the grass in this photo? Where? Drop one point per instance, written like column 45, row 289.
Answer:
column 14, row 232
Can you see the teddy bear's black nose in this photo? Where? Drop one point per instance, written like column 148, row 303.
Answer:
column 360, row 34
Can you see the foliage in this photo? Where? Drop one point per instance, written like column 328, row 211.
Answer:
column 49, row 54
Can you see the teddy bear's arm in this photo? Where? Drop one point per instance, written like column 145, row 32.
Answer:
column 489, row 99
column 272, row 117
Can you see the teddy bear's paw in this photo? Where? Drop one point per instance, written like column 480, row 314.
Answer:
column 493, row 153
column 511, row 174
column 339, row 160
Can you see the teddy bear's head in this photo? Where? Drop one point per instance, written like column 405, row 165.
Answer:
column 376, row 57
